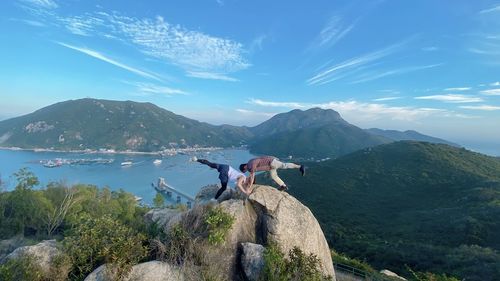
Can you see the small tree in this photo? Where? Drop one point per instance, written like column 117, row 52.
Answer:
column 26, row 179
column 159, row 200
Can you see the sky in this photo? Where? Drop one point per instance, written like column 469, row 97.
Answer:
column 431, row 66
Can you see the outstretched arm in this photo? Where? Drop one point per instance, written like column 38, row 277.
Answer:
column 240, row 183
column 250, row 180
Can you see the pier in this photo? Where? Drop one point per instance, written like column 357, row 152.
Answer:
column 164, row 188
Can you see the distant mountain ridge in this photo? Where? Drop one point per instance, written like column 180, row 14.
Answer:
column 120, row 125
column 408, row 135
column 126, row 125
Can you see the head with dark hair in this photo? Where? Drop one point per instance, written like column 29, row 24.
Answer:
column 243, row 168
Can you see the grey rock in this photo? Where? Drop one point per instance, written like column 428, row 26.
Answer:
column 252, row 260
column 42, row 253
column 287, row 222
column 161, row 216
column 148, row 271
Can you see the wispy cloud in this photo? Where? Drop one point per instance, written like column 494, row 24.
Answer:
column 481, row 107
column 387, row 99
column 153, row 89
column 29, row 22
column 333, row 31
column 377, row 75
column 277, row 104
column 495, row 84
column 254, row 113
column 367, row 111
column 212, row 76
column 491, row 92
column 191, row 50
column 491, row 10
column 45, row 4
column 451, row 98
column 256, row 44
column 328, row 73
column 104, row 58
column 457, row 89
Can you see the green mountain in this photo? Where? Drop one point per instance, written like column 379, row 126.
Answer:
column 313, row 133
column 125, row 125
column 331, row 140
column 431, row 207
column 121, row 125
column 408, row 135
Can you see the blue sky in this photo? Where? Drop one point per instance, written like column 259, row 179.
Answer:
column 432, row 66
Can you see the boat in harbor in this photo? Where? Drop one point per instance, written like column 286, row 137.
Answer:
column 126, row 163
column 52, row 164
column 157, row 162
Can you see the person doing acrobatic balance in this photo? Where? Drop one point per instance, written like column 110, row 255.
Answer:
column 271, row 164
column 226, row 174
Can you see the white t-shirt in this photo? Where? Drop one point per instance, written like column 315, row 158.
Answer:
column 233, row 175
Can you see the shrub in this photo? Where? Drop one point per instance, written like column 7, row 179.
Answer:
column 218, row 223
column 95, row 241
column 298, row 267
column 23, row 268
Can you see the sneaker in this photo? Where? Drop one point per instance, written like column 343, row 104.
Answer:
column 302, row 170
column 283, row 188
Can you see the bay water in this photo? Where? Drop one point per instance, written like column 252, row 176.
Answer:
column 178, row 171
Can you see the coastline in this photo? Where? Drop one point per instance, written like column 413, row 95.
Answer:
column 166, row 152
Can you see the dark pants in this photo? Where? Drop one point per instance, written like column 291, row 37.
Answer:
column 223, row 170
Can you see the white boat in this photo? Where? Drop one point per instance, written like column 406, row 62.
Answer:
column 127, row 163
column 157, row 162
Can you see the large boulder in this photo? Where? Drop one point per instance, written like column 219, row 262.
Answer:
column 288, row 223
column 43, row 254
column 242, row 230
column 208, row 192
column 148, row 271
column 162, row 217
column 252, row 260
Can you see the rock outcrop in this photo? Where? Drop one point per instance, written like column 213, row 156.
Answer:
column 163, row 217
column 267, row 216
column 252, row 260
column 43, row 254
column 287, row 222
column 148, row 271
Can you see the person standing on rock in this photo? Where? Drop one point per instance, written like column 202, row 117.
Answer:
column 226, row 174
column 271, row 164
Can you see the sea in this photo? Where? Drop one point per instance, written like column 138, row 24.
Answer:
column 178, row 170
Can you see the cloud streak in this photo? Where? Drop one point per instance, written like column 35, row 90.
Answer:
column 481, row 107
column 104, row 58
column 491, row 92
column 190, row 50
column 458, row 89
column 375, row 76
column 362, row 111
column 451, row 98
column 212, row 76
column 333, row 31
column 329, row 73
column 153, row 89
column 45, row 4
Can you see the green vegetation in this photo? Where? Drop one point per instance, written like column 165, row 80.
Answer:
column 95, row 241
column 429, row 206
column 95, row 226
column 219, row 222
column 296, row 267
column 120, row 125
column 159, row 200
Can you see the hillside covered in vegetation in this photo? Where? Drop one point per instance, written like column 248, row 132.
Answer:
column 431, row 207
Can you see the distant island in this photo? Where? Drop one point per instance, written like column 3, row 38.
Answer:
column 92, row 125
